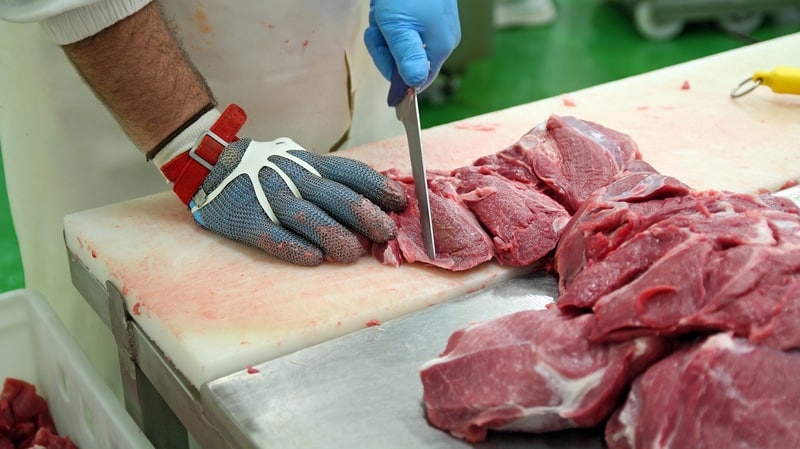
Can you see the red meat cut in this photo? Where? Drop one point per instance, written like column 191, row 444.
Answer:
column 524, row 222
column 25, row 420
column 461, row 242
column 683, row 261
column 518, row 200
column 722, row 393
column 531, row 371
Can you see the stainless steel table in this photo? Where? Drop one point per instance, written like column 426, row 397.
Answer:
column 359, row 390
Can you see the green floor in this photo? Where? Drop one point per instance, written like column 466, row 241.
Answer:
column 591, row 42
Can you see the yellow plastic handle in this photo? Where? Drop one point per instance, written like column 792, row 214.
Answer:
column 781, row 79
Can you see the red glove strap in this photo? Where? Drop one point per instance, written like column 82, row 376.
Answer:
column 188, row 170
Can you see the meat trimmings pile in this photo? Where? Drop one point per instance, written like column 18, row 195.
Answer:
column 677, row 321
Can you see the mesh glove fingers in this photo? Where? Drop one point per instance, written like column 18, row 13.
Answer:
column 359, row 177
column 307, row 220
column 344, row 204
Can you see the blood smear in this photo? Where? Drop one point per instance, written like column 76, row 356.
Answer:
column 372, row 323
column 251, row 370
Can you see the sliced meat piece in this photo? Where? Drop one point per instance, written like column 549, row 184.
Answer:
column 27, row 404
column 613, row 215
column 524, row 222
column 46, row 439
column 461, row 241
column 578, row 157
column 724, row 392
column 634, row 257
column 736, row 272
column 531, row 371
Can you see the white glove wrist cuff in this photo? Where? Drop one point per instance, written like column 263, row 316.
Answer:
column 187, row 138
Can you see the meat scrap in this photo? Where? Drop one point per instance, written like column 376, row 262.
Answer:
column 531, row 371
column 513, row 204
column 722, row 392
column 25, row 420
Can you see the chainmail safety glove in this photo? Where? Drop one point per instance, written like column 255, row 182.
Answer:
column 291, row 203
column 413, row 36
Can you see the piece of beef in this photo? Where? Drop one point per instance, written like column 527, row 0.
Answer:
column 669, row 265
column 45, row 438
column 634, row 202
column 722, row 393
column 631, row 258
column 461, row 241
column 574, row 157
column 611, row 215
column 524, row 222
column 531, row 371
column 703, row 284
column 25, row 419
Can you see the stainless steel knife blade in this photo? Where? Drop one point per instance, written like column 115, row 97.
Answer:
column 404, row 100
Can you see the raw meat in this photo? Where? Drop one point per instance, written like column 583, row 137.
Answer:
column 521, row 197
column 723, row 393
column 682, row 261
column 573, row 157
column 609, row 217
column 528, row 227
column 25, row 420
column 532, row 371
column 461, row 242
column 644, row 263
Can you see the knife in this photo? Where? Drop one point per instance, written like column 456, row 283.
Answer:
column 404, row 100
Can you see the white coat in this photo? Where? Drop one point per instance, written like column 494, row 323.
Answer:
column 288, row 63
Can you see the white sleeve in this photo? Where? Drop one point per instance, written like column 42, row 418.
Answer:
column 68, row 21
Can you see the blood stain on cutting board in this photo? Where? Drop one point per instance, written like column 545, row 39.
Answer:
column 482, row 127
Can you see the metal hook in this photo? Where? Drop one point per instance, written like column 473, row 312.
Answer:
column 735, row 92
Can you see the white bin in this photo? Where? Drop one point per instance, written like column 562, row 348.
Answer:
column 36, row 347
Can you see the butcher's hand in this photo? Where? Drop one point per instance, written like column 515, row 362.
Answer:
column 415, row 36
column 291, row 203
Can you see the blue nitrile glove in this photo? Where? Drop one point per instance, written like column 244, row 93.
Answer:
column 337, row 194
column 416, row 36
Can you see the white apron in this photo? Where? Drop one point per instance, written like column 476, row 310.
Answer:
column 286, row 62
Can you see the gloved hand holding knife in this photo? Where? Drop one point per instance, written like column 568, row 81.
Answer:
column 413, row 37
column 410, row 54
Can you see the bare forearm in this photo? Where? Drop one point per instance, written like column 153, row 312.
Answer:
column 140, row 73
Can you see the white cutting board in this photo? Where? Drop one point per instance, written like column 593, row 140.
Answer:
column 215, row 307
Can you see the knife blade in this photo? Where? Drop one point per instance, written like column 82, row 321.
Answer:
column 404, row 100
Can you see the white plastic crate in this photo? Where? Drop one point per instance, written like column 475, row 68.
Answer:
column 36, row 347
